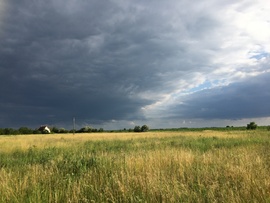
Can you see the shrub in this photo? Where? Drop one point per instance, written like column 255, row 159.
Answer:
column 251, row 126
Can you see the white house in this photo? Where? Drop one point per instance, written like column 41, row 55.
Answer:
column 44, row 129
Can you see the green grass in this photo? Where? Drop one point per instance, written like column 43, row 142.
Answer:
column 202, row 167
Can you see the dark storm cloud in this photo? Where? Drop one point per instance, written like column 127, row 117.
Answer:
column 246, row 99
column 58, row 62
column 109, row 60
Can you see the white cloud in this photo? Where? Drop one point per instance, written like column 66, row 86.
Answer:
column 229, row 53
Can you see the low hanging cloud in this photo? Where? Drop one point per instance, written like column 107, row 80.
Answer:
column 246, row 99
column 131, row 60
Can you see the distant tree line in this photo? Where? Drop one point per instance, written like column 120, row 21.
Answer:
column 89, row 129
column 20, row 131
column 86, row 129
column 144, row 128
column 27, row 131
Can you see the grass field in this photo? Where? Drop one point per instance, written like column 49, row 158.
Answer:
column 201, row 166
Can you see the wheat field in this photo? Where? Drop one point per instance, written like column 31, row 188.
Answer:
column 201, row 166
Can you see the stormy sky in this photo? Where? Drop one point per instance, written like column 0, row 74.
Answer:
column 120, row 63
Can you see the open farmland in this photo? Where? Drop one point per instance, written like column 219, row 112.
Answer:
column 201, row 166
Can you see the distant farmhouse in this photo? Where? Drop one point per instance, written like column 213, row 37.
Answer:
column 44, row 129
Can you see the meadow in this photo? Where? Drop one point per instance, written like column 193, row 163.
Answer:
column 185, row 166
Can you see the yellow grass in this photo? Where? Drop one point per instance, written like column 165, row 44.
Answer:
column 24, row 142
column 162, row 174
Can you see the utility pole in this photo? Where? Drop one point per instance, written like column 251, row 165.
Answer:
column 73, row 125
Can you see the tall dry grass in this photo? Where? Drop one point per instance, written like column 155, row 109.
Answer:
column 151, row 167
column 23, row 142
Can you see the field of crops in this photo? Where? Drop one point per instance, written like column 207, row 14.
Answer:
column 201, row 166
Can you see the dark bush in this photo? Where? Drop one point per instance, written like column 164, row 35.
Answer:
column 251, row 126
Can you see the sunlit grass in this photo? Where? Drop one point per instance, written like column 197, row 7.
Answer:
column 204, row 166
column 23, row 142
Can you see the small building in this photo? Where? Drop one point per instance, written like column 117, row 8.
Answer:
column 44, row 129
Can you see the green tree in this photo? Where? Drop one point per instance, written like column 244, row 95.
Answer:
column 25, row 130
column 2, row 131
column 10, row 131
column 252, row 126
column 36, row 131
column 144, row 128
column 94, row 130
column 55, row 130
column 137, row 129
column 87, row 129
column 63, row 130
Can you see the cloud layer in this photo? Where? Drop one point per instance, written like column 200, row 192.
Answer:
column 129, row 62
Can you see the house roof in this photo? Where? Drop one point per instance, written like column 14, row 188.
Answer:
column 44, row 128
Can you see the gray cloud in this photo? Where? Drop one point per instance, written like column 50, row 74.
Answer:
column 103, row 61
column 246, row 99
